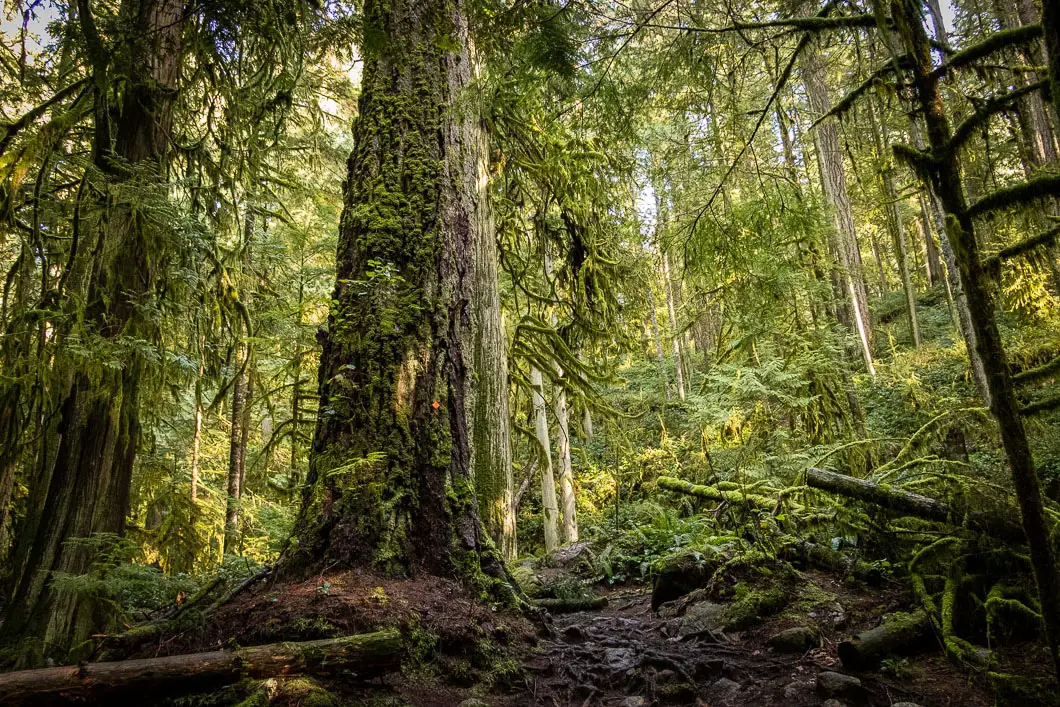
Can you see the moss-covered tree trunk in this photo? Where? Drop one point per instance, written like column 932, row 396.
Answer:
column 944, row 171
column 86, row 490
column 393, row 465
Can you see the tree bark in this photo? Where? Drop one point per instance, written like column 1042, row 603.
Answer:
column 86, row 490
column 894, row 218
column 566, row 472
column 657, row 340
column 675, row 337
column 549, row 507
column 833, row 180
column 367, row 655
column 237, row 445
column 945, row 175
column 392, row 470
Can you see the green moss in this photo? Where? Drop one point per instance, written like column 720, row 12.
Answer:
column 753, row 608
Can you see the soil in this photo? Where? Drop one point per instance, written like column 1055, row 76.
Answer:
column 624, row 655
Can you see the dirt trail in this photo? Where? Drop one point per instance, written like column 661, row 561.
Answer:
column 627, row 655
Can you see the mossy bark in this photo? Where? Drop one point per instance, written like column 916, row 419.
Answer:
column 945, row 176
column 85, row 490
column 393, row 466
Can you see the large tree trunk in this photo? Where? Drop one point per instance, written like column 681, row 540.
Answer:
column 945, row 175
column 391, row 485
column 87, row 489
column 834, row 183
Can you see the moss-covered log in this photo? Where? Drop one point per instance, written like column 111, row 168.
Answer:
column 366, row 655
column 913, row 504
column 710, row 493
column 899, row 632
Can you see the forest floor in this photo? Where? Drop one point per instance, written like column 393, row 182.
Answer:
column 623, row 655
column 687, row 651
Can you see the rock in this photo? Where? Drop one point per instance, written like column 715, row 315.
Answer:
column 723, row 691
column 473, row 702
column 702, row 617
column 838, row 685
column 574, row 633
column 795, row 640
column 619, row 660
column 681, row 575
column 635, row 701
column 572, row 557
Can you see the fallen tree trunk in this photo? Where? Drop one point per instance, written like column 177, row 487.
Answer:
column 913, row 504
column 367, row 655
column 710, row 493
column 901, row 632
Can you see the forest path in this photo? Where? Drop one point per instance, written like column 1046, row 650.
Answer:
column 627, row 655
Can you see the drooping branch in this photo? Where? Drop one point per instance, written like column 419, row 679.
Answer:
column 992, row 264
column 365, row 654
column 1039, row 406
column 1032, row 375
column 1017, row 195
column 993, row 43
column 995, row 105
column 874, row 79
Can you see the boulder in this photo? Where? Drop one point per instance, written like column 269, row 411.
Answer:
column 681, row 575
column 795, row 640
column 832, row 685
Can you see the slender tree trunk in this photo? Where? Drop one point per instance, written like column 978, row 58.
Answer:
column 945, row 173
column 566, row 472
column 955, row 280
column 932, row 260
column 674, row 337
column 237, row 447
column 87, row 489
column 894, row 218
column 833, row 179
column 196, row 435
column 550, row 509
column 657, row 340
column 392, row 470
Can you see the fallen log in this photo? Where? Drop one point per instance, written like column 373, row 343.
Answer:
column 900, row 632
column 806, row 553
column 710, row 493
column 367, row 655
column 567, row 606
column 913, row 504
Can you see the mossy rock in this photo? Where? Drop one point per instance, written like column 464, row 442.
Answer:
column 797, row 639
column 753, row 608
column 682, row 574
